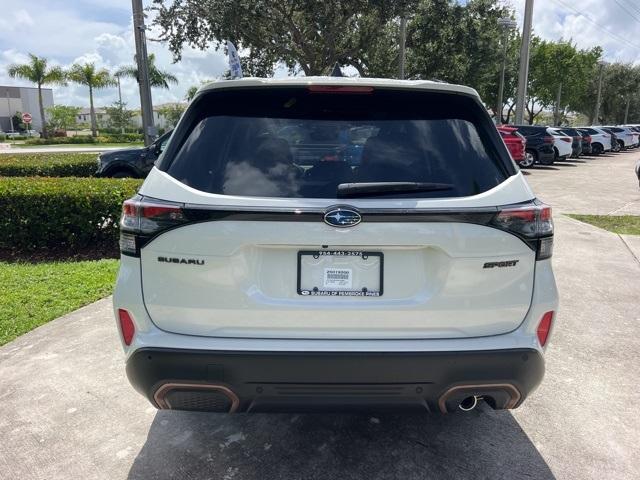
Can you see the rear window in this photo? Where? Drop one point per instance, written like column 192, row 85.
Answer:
column 283, row 142
column 532, row 131
column 570, row 131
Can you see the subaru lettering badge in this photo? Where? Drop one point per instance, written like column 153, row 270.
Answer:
column 342, row 217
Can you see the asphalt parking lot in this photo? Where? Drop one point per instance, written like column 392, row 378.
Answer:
column 67, row 411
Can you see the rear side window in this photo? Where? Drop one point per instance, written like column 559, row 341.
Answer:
column 292, row 143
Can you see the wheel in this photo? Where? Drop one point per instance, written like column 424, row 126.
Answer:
column 597, row 149
column 556, row 154
column 530, row 158
column 620, row 145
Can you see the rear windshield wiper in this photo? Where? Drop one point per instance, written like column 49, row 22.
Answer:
column 372, row 189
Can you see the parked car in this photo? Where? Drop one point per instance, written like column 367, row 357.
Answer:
column 615, row 145
column 515, row 142
column 636, row 134
column 626, row 137
column 419, row 279
column 562, row 143
column 586, row 143
column 576, row 143
column 24, row 133
column 134, row 162
column 600, row 139
column 539, row 145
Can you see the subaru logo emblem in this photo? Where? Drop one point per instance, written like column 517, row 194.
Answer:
column 342, row 217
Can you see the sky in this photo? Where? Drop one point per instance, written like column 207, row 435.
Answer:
column 99, row 31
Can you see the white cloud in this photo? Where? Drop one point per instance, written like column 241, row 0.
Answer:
column 589, row 23
column 101, row 32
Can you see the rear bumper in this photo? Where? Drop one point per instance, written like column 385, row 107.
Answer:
column 238, row 381
column 546, row 155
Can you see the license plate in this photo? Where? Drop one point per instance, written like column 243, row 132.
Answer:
column 342, row 273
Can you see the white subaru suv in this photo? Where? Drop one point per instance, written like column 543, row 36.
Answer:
column 312, row 244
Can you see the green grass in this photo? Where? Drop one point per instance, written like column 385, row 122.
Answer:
column 82, row 145
column 34, row 294
column 625, row 224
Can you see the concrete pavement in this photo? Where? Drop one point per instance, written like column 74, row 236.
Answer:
column 603, row 185
column 67, row 411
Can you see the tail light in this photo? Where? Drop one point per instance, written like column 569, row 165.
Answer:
column 566, row 139
column 141, row 220
column 577, row 139
column 587, row 138
column 532, row 223
column 547, row 139
column 544, row 327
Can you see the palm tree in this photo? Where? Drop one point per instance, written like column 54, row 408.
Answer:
column 36, row 71
column 157, row 78
column 87, row 75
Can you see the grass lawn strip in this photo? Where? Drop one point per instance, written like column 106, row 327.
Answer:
column 622, row 224
column 34, row 294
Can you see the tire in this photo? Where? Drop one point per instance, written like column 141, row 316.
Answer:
column 597, row 149
column 121, row 174
column 530, row 157
column 621, row 145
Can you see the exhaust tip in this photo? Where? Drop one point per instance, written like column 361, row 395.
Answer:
column 196, row 397
column 469, row 403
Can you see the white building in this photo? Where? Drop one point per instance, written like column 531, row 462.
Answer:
column 23, row 100
column 102, row 117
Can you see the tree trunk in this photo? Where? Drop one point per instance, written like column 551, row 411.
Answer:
column 509, row 112
column 92, row 111
column 556, row 113
column 626, row 110
column 45, row 134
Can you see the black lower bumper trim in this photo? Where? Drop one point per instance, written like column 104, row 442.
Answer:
column 332, row 381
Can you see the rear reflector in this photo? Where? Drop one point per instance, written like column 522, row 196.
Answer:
column 340, row 89
column 127, row 328
column 544, row 327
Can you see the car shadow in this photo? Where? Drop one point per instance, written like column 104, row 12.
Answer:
column 574, row 160
column 565, row 163
column 479, row 444
column 545, row 167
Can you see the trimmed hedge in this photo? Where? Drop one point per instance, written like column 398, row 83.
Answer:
column 48, row 165
column 87, row 139
column 62, row 214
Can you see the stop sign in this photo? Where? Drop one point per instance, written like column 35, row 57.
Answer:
column 26, row 117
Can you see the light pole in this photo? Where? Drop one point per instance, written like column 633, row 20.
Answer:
column 523, row 75
column 9, row 110
column 507, row 25
column 146, row 105
column 596, row 114
column 403, row 42
column 120, row 102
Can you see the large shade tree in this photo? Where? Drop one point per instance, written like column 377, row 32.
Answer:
column 458, row 43
column 157, row 78
column 39, row 72
column 86, row 74
column 307, row 35
column 559, row 76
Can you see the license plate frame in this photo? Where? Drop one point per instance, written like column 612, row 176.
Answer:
column 340, row 293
